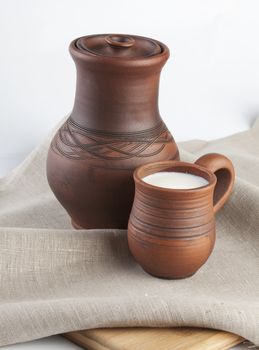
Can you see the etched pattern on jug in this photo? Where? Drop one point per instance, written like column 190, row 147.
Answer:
column 77, row 142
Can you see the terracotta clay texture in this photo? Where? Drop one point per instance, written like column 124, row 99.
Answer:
column 115, row 126
column 171, row 233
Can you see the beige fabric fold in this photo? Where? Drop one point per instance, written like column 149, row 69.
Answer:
column 54, row 279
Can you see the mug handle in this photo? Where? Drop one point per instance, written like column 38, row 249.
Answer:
column 223, row 168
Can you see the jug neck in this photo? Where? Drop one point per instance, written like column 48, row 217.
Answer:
column 116, row 99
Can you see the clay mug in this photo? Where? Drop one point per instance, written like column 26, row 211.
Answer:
column 171, row 232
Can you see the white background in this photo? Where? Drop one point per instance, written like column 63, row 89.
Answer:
column 209, row 87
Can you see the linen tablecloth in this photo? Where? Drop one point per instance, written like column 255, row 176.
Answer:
column 54, row 279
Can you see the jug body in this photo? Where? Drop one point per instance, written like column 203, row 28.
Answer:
column 114, row 127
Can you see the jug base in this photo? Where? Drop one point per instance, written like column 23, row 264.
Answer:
column 76, row 226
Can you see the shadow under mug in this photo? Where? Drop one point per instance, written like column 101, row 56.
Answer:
column 171, row 232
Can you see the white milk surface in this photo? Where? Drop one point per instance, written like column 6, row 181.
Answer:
column 175, row 180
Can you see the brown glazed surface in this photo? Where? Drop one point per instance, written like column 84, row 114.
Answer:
column 171, row 232
column 115, row 126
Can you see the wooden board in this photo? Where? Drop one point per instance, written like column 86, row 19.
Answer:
column 154, row 339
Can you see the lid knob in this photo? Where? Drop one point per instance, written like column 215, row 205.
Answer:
column 120, row 41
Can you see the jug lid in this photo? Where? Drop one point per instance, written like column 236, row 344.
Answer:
column 119, row 46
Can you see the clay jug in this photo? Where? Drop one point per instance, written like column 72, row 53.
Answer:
column 114, row 127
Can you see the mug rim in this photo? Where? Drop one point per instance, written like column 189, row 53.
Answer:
column 212, row 179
